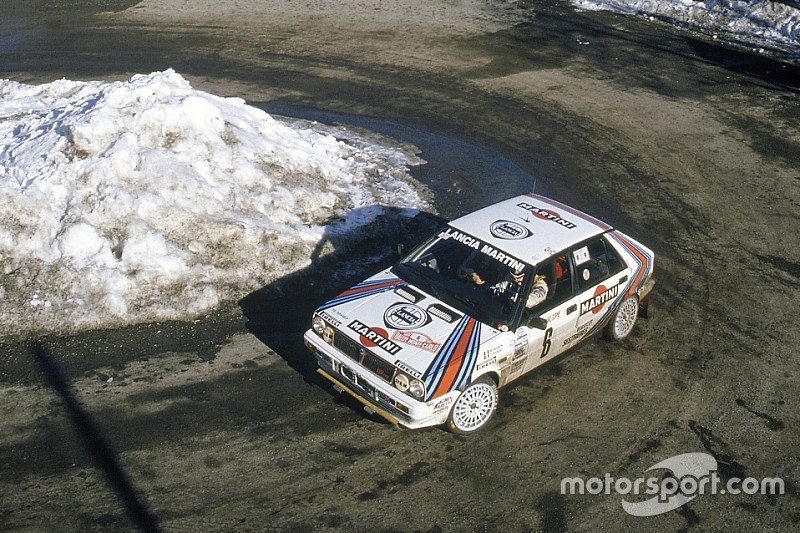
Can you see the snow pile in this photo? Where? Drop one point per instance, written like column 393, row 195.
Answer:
column 758, row 24
column 147, row 199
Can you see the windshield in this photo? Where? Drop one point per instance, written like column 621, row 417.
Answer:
column 468, row 274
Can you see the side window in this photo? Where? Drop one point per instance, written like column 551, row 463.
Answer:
column 552, row 285
column 613, row 261
column 595, row 262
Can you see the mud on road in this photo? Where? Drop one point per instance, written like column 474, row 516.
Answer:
column 219, row 423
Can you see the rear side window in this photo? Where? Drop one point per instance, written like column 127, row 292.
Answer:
column 595, row 262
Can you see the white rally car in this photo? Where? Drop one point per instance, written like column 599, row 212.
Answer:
column 490, row 297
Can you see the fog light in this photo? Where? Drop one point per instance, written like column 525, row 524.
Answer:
column 401, row 382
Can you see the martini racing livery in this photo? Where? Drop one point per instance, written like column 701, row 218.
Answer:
column 490, row 297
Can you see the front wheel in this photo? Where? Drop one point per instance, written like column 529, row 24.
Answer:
column 474, row 407
column 623, row 320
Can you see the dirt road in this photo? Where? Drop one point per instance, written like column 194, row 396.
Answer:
column 219, row 423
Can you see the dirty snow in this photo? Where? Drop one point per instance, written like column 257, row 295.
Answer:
column 146, row 199
column 762, row 26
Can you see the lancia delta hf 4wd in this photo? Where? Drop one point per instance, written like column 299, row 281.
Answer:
column 490, row 297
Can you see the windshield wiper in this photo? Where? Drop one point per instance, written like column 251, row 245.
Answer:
column 418, row 276
column 471, row 306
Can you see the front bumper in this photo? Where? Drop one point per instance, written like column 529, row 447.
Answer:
column 376, row 395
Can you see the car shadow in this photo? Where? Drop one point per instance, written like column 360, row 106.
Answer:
column 280, row 312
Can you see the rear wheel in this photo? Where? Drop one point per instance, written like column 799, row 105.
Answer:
column 623, row 320
column 474, row 407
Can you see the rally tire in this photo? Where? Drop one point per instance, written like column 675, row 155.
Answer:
column 474, row 407
column 624, row 319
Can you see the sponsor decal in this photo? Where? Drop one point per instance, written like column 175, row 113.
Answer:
column 520, row 345
column 546, row 214
column 601, row 297
column 494, row 351
column 580, row 332
column 516, row 367
column 405, row 316
column 486, row 249
column 501, row 257
column 371, row 337
column 554, row 316
column 329, row 319
column 443, row 405
column 509, row 231
column 450, row 233
column 417, row 340
column 486, row 364
column 407, row 369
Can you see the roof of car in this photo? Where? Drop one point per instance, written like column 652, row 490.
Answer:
column 530, row 227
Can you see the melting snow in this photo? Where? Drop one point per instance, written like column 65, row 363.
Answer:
column 147, row 199
column 761, row 25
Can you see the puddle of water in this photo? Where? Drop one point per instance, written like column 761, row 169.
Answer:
column 467, row 176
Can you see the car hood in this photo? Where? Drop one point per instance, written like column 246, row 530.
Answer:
column 406, row 326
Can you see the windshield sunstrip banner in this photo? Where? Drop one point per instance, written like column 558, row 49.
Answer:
column 484, row 248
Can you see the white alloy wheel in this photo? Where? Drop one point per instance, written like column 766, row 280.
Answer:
column 624, row 319
column 474, row 407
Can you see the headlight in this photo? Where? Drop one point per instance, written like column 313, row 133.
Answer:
column 318, row 324
column 411, row 386
column 322, row 329
column 417, row 389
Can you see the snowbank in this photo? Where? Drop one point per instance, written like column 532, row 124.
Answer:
column 761, row 25
column 147, row 199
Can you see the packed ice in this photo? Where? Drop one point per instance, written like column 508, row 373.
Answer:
column 147, row 199
column 762, row 26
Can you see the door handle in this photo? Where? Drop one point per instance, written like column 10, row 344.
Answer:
column 572, row 308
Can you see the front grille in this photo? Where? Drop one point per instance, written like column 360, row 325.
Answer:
column 361, row 383
column 380, row 367
column 358, row 353
column 347, row 346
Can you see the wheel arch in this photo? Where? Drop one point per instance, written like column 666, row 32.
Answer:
column 493, row 375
